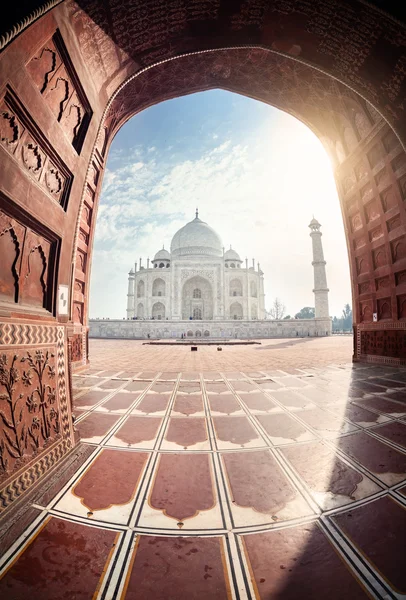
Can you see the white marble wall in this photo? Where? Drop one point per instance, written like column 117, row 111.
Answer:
column 216, row 329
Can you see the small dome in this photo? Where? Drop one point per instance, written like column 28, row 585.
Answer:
column 196, row 238
column 231, row 255
column 162, row 255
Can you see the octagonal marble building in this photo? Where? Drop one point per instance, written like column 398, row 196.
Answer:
column 196, row 280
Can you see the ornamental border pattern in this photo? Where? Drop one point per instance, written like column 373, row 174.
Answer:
column 28, row 476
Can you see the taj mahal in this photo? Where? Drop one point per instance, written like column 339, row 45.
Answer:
column 196, row 280
column 199, row 289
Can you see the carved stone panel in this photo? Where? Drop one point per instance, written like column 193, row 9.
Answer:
column 21, row 137
column 391, row 343
column 76, row 346
column 29, row 407
column 54, row 75
column 28, row 258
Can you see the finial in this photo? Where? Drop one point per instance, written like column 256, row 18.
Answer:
column 163, row 246
column 197, row 213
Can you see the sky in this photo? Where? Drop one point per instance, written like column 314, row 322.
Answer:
column 257, row 175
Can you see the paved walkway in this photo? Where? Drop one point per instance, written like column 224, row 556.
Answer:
column 232, row 483
column 268, row 354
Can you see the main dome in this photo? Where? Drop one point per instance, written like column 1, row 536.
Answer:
column 198, row 239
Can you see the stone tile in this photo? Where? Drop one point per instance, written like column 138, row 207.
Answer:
column 259, row 489
column 236, row 432
column 94, row 427
column 224, row 404
column 283, row 429
column 181, row 567
column 358, row 415
column 325, row 423
column 188, row 405
column 75, row 552
column 257, row 402
column 292, row 400
column 331, row 481
column 155, row 404
column 383, row 405
column 88, row 400
column 299, row 562
column 136, row 432
column 388, row 464
column 188, row 433
column 394, row 431
column 119, row 403
column 389, row 524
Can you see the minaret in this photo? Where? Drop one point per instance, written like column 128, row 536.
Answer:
column 319, row 265
column 130, row 295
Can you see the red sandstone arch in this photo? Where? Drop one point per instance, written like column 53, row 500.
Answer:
column 75, row 75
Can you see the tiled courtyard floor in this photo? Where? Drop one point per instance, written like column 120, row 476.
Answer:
column 267, row 354
column 281, row 479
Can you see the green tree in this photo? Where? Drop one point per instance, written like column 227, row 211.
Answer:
column 307, row 312
column 347, row 317
column 287, row 317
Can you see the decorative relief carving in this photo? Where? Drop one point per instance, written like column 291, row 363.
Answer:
column 26, row 259
column 361, row 170
column 375, row 155
column 52, row 71
column 384, row 308
column 398, row 249
column 393, row 223
column 78, row 312
column 379, row 257
column 367, row 192
column 375, row 234
column 364, row 287
column 356, row 222
column 382, row 177
column 400, row 277
column 11, row 129
column 29, row 410
column 388, row 198
column 33, row 150
column 399, row 162
column 382, row 283
column 362, row 265
column 390, row 141
column 76, row 346
column 366, row 311
column 402, row 185
column 401, row 301
column 348, row 183
column 54, row 181
column 187, row 273
column 371, row 211
column 384, row 343
column 359, row 243
column 33, row 157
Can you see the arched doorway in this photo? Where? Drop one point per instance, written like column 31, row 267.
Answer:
column 197, row 298
column 56, row 133
column 158, row 310
column 236, row 311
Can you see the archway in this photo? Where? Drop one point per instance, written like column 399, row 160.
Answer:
column 235, row 287
column 158, row 287
column 140, row 311
column 56, row 132
column 140, row 289
column 236, row 311
column 158, row 310
column 197, row 298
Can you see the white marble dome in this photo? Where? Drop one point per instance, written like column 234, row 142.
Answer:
column 196, row 239
column 162, row 255
column 232, row 255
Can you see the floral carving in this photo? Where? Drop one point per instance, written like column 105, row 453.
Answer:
column 33, row 157
column 9, row 129
column 54, row 181
column 28, row 406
